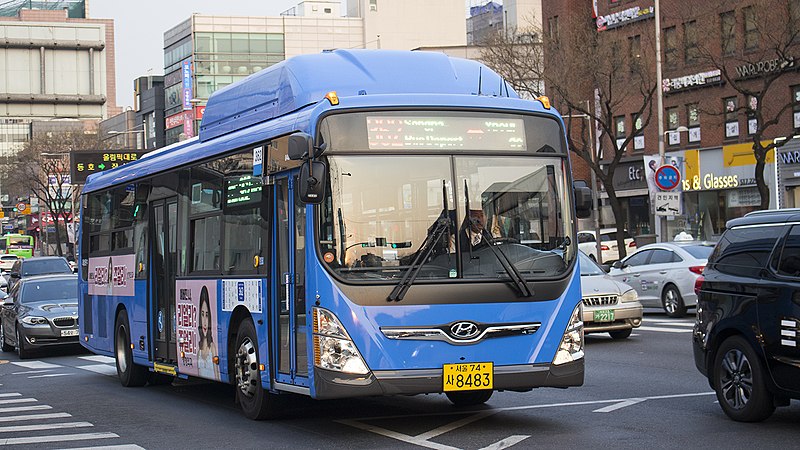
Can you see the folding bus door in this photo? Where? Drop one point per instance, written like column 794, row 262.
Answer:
column 164, row 262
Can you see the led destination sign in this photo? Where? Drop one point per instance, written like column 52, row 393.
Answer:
column 443, row 133
column 242, row 190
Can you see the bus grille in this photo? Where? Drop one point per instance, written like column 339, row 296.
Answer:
column 64, row 322
column 602, row 300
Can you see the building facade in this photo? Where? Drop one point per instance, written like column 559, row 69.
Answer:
column 709, row 130
column 148, row 95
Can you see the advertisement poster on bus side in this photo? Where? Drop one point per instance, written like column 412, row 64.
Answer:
column 242, row 292
column 197, row 328
column 112, row 275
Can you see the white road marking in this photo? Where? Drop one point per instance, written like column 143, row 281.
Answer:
column 51, row 375
column 11, row 394
column 507, row 442
column 28, row 372
column 112, row 447
column 103, row 369
column 664, row 330
column 17, row 400
column 619, row 405
column 57, row 438
column 44, row 426
column 393, row 434
column 98, row 359
column 670, row 323
column 25, row 408
column 34, row 417
column 35, row 364
column 454, row 425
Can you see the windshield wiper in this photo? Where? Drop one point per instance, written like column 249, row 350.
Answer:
column 508, row 266
column 435, row 232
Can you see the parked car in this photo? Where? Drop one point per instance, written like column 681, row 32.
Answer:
column 746, row 336
column 664, row 274
column 39, row 265
column 7, row 261
column 608, row 305
column 608, row 244
column 40, row 311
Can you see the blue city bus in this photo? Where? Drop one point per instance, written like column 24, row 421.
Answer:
column 350, row 223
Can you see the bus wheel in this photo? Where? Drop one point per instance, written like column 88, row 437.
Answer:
column 130, row 374
column 469, row 398
column 256, row 403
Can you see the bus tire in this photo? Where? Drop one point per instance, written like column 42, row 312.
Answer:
column 255, row 401
column 130, row 374
column 469, row 398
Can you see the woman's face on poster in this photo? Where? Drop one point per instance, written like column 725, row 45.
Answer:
column 205, row 317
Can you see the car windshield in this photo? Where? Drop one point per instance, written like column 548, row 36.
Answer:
column 33, row 267
column 380, row 210
column 702, row 251
column 588, row 267
column 62, row 289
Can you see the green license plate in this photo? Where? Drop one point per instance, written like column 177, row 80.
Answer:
column 604, row 315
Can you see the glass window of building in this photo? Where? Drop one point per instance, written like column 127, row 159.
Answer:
column 670, row 47
column 750, row 28
column 796, row 105
column 690, row 49
column 727, row 24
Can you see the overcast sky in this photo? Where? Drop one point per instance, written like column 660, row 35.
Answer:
column 139, row 28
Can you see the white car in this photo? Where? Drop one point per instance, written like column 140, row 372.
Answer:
column 608, row 244
column 608, row 305
column 6, row 261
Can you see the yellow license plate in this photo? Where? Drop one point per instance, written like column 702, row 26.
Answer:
column 468, row 376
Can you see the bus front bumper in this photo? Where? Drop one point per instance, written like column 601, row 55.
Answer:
column 522, row 377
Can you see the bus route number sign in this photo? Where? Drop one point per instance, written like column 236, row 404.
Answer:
column 667, row 177
column 468, row 376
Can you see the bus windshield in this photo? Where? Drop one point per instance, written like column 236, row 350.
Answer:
column 382, row 210
column 19, row 240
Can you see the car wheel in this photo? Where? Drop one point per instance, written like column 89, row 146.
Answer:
column 130, row 374
column 673, row 302
column 23, row 351
column 469, row 398
column 739, row 382
column 255, row 401
column 620, row 334
column 5, row 346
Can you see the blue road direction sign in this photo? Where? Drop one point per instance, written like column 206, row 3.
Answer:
column 667, row 177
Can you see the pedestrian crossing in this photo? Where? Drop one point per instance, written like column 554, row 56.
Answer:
column 103, row 365
column 25, row 421
column 660, row 325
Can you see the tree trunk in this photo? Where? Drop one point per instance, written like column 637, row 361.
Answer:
column 59, row 252
column 763, row 189
column 619, row 218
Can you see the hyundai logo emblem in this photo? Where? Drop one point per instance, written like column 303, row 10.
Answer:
column 464, row 330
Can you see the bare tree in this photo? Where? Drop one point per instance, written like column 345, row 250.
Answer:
column 755, row 67
column 517, row 57
column 589, row 75
column 42, row 169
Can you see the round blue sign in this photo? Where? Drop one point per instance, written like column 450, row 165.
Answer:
column 667, row 177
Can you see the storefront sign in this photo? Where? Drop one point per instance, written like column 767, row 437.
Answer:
column 629, row 175
column 177, row 120
column 764, row 67
column 711, row 181
column 624, row 17
column 85, row 163
column 187, row 84
column 667, row 203
column 711, row 77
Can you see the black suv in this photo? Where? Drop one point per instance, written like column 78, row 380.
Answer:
column 748, row 315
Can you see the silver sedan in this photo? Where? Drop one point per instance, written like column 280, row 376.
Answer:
column 663, row 274
column 608, row 305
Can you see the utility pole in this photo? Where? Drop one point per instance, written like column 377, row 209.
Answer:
column 660, row 110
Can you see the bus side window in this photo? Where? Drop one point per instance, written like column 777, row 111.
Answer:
column 140, row 217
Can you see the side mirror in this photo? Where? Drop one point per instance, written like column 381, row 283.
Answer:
column 606, row 268
column 583, row 202
column 301, row 146
column 313, row 178
column 617, row 265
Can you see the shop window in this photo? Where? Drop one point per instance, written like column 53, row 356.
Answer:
column 691, row 52
column 693, row 121
column 796, row 106
column 731, row 111
column 671, row 47
column 727, row 25
column 750, row 28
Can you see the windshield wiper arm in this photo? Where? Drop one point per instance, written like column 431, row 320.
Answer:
column 509, row 267
column 435, row 232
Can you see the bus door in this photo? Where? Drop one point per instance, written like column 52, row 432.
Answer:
column 290, row 324
column 164, row 262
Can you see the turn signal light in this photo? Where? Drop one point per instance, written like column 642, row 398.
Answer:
column 332, row 97
column 545, row 101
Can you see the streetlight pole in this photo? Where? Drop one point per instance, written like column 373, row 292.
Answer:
column 593, row 180
column 660, row 105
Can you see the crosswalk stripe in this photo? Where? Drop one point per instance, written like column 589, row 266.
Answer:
column 34, row 417
column 665, row 330
column 28, row 372
column 98, row 358
column 57, row 438
column 669, row 322
column 25, row 408
column 17, row 400
column 103, row 369
column 51, row 375
column 111, row 447
column 35, row 364
column 44, row 426
column 11, row 394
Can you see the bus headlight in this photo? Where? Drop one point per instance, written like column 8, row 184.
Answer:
column 571, row 347
column 333, row 348
column 629, row 296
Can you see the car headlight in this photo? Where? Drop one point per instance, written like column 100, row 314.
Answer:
column 34, row 320
column 333, row 348
column 571, row 347
column 629, row 296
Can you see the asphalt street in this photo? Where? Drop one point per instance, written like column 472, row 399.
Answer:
column 642, row 392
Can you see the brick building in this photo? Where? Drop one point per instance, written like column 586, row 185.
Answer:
column 708, row 126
